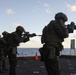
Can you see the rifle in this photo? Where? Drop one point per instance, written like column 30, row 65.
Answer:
column 27, row 34
column 71, row 27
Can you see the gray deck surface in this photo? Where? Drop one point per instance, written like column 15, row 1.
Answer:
column 33, row 67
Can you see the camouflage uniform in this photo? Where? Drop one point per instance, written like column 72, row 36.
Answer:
column 2, row 46
column 4, row 67
column 52, row 38
column 5, row 50
column 13, row 41
column 1, row 59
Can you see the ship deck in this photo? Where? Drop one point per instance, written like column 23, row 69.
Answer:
column 28, row 66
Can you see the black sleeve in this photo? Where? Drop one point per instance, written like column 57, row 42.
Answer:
column 61, row 31
column 15, row 37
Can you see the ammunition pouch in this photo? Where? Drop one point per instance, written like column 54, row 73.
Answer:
column 47, row 53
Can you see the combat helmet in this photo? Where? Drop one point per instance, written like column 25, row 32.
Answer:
column 20, row 28
column 4, row 33
column 61, row 15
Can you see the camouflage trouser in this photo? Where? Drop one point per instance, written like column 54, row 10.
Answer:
column 1, row 62
column 12, row 60
column 1, row 58
column 4, row 64
column 4, row 61
column 52, row 66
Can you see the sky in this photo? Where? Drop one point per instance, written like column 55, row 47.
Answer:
column 33, row 15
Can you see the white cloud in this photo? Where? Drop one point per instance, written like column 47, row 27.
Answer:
column 48, row 11
column 9, row 11
column 72, row 8
column 46, row 8
column 47, row 5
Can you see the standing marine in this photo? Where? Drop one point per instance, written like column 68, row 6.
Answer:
column 2, row 46
column 5, row 51
column 52, row 37
column 13, row 40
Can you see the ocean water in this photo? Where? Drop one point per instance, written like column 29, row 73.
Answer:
column 27, row 51
column 22, row 52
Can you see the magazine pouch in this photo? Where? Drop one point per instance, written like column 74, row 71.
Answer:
column 47, row 53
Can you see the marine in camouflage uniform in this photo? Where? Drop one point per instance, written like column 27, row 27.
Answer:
column 52, row 37
column 2, row 46
column 13, row 40
column 5, row 51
